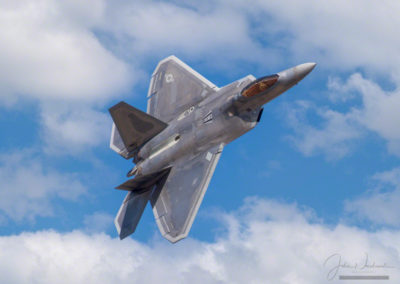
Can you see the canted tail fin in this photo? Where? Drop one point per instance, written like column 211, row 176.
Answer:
column 140, row 190
column 130, row 212
column 132, row 128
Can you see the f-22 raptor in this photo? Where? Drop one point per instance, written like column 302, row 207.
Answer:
column 176, row 145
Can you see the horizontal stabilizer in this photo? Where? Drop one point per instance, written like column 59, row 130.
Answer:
column 130, row 213
column 142, row 183
column 134, row 126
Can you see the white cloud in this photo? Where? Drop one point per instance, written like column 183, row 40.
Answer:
column 379, row 111
column 61, row 50
column 261, row 247
column 49, row 53
column 333, row 138
column 342, row 37
column 46, row 54
column 28, row 186
column 333, row 33
column 72, row 128
column 336, row 33
column 98, row 222
column 212, row 33
column 379, row 205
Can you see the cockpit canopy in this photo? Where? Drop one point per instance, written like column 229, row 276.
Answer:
column 259, row 86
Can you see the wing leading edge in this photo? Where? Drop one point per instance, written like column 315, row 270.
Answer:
column 176, row 201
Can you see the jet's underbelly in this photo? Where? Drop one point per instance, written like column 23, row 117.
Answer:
column 177, row 140
column 203, row 128
column 217, row 126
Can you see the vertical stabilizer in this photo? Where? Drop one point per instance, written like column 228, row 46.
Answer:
column 133, row 128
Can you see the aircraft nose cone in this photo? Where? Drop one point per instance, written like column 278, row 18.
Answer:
column 302, row 70
column 293, row 75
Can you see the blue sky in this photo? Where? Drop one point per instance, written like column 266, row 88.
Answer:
column 319, row 175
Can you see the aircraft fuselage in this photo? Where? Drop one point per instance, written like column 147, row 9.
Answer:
column 221, row 117
column 177, row 143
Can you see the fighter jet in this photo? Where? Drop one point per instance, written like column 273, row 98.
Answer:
column 177, row 143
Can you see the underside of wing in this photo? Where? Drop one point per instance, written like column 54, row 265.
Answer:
column 175, row 87
column 176, row 201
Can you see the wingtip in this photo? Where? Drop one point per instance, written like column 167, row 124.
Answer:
column 174, row 240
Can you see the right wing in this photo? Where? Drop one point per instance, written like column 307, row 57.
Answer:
column 177, row 199
column 174, row 88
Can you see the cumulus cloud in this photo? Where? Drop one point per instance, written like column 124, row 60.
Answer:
column 342, row 38
column 379, row 205
column 28, row 186
column 98, row 222
column 333, row 138
column 377, row 113
column 261, row 247
column 60, row 54
column 92, row 51
column 46, row 54
column 208, row 31
column 379, row 110
column 335, row 33
column 72, row 128
column 49, row 53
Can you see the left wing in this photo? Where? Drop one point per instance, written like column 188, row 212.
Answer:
column 176, row 201
column 175, row 87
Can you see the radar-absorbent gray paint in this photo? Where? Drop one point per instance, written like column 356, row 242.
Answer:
column 176, row 145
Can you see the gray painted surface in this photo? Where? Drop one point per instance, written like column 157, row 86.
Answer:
column 188, row 122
